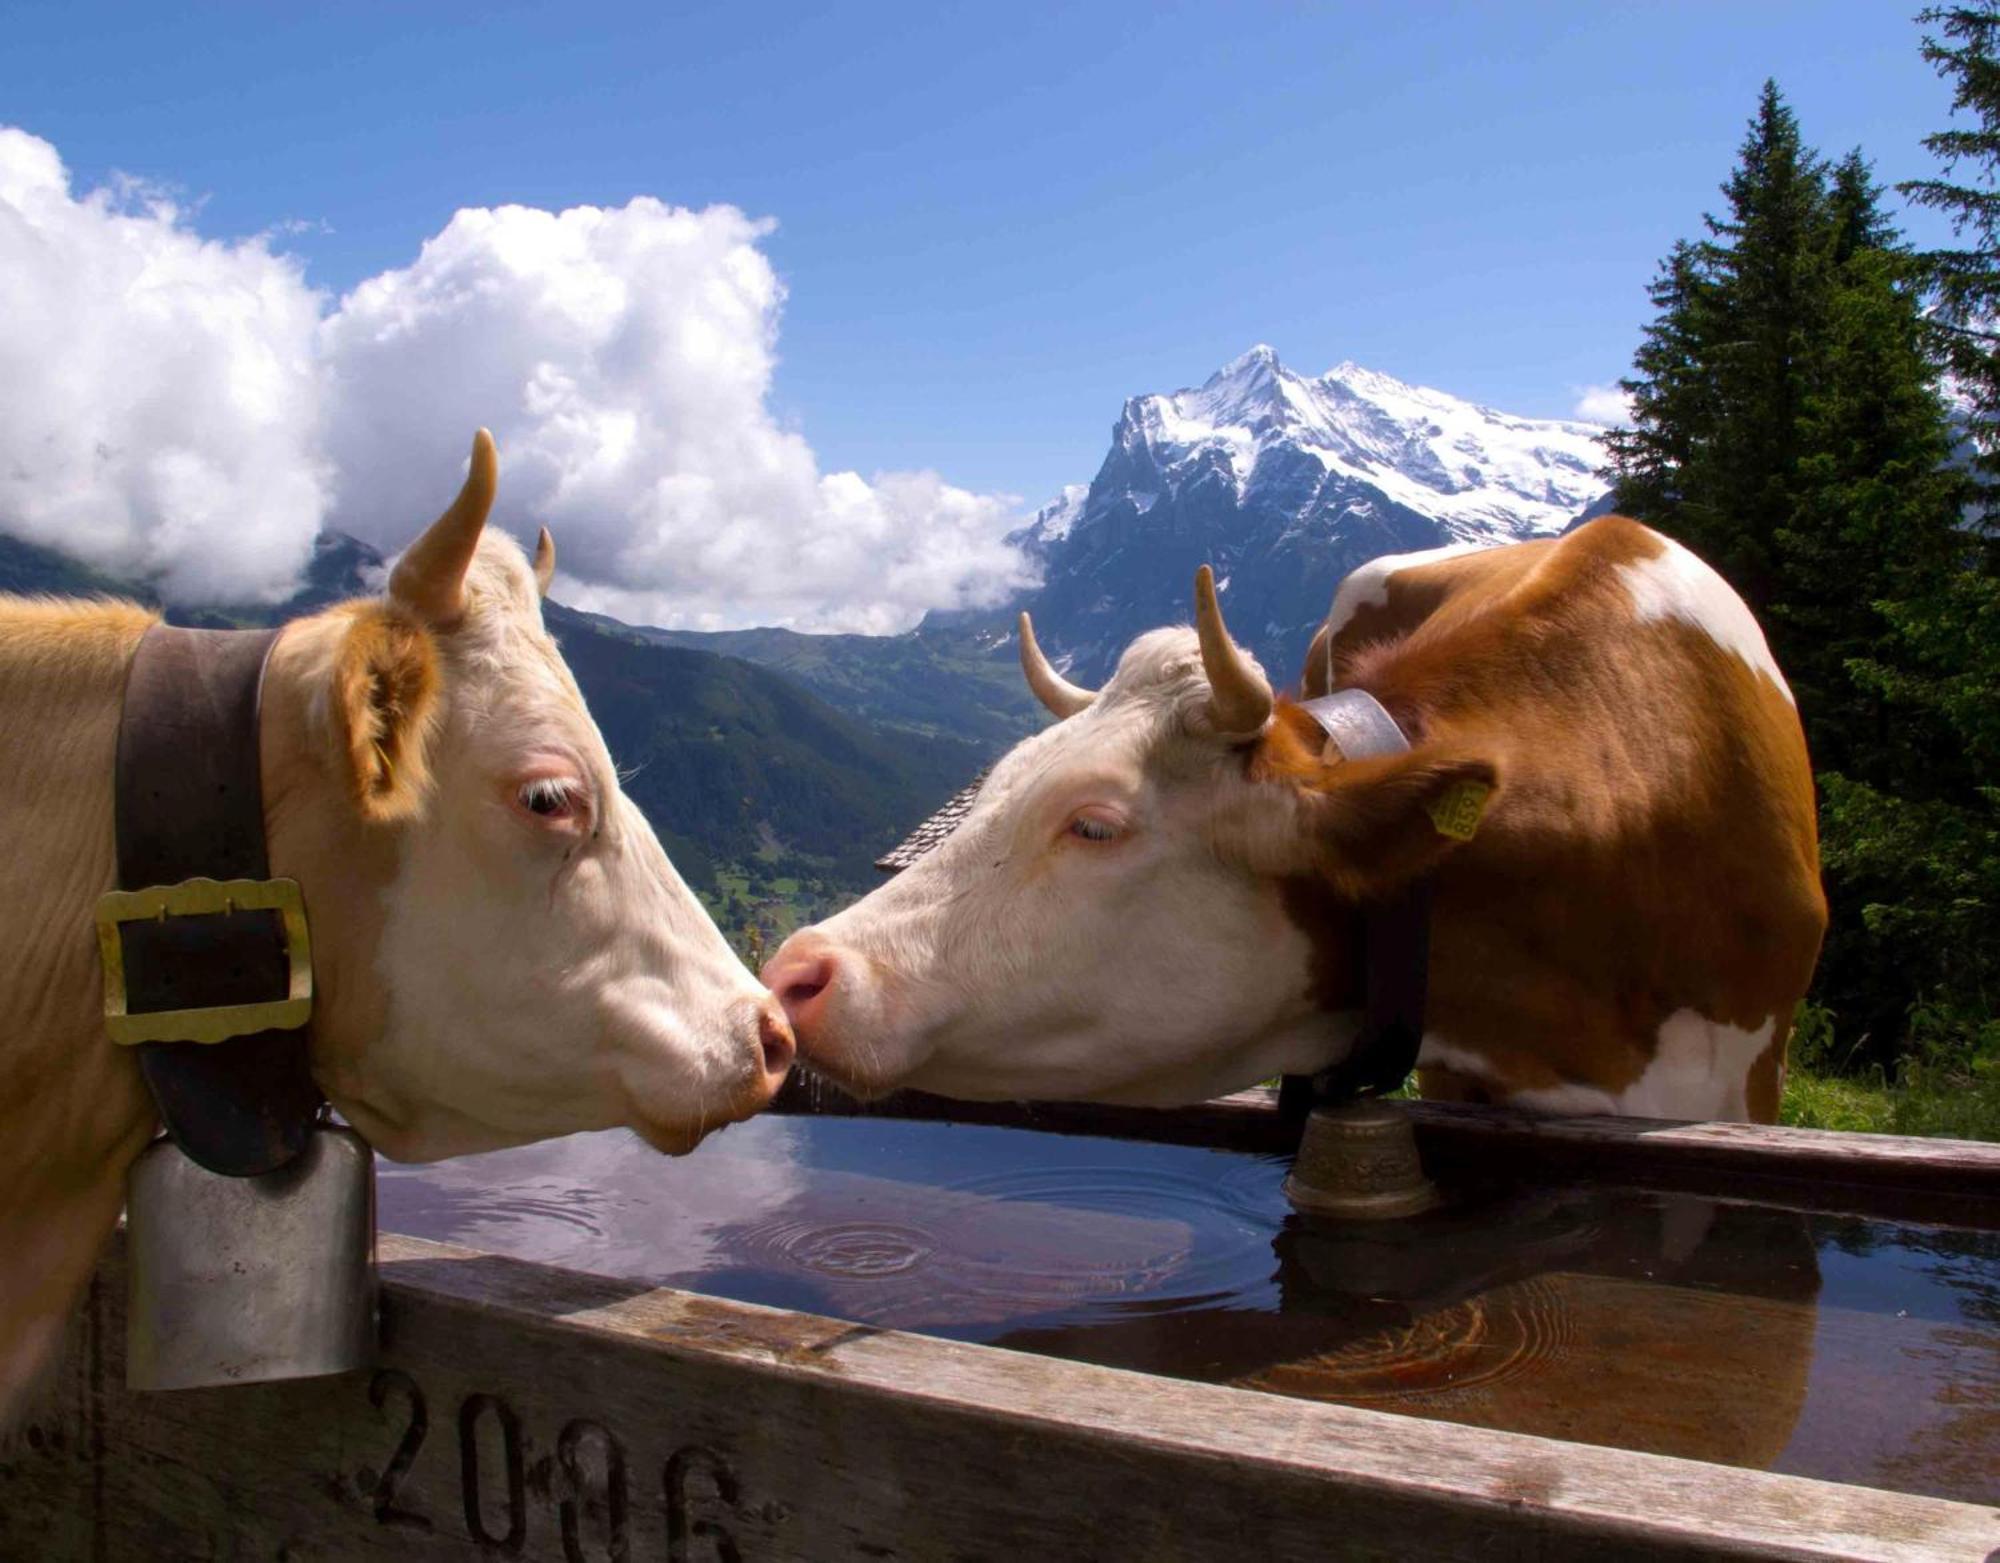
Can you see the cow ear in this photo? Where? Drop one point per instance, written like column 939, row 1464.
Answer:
column 385, row 686
column 1372, row 826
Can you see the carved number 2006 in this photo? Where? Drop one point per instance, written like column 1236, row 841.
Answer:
column 592, row 1463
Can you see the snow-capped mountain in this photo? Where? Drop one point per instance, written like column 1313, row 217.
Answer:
column 1284, row 484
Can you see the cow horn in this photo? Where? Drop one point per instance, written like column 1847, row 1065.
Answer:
column 1317, row 677
column 545, row 561
column 1240, row 699
column 1050, row 687
column 430, row 576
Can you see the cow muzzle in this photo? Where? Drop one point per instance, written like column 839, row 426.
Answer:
column 802, row 978
column 673, row 1109
column 834, row 998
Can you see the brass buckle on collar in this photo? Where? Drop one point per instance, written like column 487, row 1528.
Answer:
column 191, row 898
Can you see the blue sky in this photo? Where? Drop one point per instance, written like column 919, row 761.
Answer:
column 993, row 224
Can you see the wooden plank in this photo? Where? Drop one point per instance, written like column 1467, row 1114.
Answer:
column 1947, row 1182
column 524, row 1412
column 1897, row 1177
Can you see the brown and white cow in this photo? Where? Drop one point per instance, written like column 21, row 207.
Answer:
column 1156, row 899
column 502, row 950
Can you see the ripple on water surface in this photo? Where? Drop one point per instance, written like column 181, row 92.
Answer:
column 950, row 1228
column 971, row 1232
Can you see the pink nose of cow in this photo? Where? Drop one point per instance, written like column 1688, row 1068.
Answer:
column 802, row 977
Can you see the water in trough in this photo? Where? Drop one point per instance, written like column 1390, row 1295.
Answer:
column 1829, row 1346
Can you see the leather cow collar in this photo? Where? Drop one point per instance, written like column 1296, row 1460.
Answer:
column 207, row 963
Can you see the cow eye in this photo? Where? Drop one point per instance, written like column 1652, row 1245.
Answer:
column 549, row 797
column 1095, row 827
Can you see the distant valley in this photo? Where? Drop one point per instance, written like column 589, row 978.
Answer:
column 952, row 681
column 773, row 803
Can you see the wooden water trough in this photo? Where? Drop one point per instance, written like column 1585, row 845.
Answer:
column 520, row 1411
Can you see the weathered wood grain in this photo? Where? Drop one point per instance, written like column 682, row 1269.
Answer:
column 1950, row 1182
column 522, row 1412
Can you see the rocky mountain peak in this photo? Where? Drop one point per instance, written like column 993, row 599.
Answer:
column 1284, row 483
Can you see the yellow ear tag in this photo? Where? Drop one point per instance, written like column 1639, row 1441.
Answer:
column 1456, row 812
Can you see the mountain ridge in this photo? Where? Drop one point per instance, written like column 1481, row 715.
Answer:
column 1282, row 484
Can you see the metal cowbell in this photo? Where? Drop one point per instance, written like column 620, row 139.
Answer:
column 240, row 1280
column 1359, row 1163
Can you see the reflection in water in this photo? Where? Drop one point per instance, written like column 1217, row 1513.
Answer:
column 1828, row 1346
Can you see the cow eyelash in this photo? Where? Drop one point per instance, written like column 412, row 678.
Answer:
column 1087, row 827
column 550, row 797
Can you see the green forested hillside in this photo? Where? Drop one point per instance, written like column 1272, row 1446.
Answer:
column 755, row 784
column 29, row 570
column 956, row 681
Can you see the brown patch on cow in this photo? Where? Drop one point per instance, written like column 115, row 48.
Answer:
column 1291, row 748
column 1438, row 1084
column 1653, row 849
column 385, row 685
column 1412, row 596
column 1368, row 823
column 1374, row 825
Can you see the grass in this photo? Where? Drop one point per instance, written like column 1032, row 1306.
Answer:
column 1830, row 1102
column 1952, row 1107
column 1947, row 1086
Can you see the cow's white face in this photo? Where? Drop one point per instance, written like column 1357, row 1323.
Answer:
column 512, row 956
column 1118, row 916
column 1094, row 929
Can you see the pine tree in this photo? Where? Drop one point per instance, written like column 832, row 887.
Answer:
column 1965, row 282
column 1914, row 870
column 1854, row 209
column 1877, row 540
column 1914, row 836
column 1672, row 397
column 1770, row 258
column 1713, row 451
column 1874, row 507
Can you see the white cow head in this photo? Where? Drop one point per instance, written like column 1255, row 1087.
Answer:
column 504, row 952
column 1123, row 915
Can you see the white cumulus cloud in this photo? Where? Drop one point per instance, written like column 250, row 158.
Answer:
column 159, row 392
column 193, row 411
column 1606, row 404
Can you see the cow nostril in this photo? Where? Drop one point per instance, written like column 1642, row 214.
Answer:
column 803, row 990
column 774, row 1039
column 799, row 981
